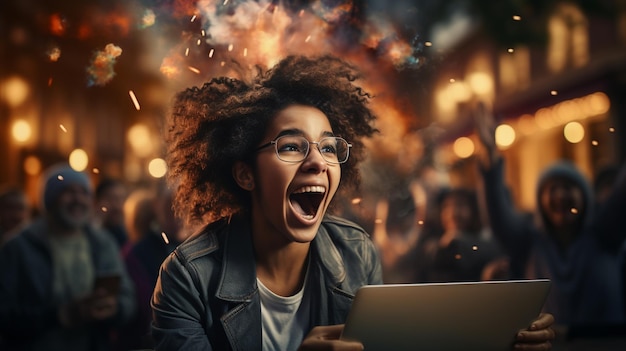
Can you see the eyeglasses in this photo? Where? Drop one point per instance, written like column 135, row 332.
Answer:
column 295, row 148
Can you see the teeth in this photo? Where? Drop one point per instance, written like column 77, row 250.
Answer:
column 310, row 189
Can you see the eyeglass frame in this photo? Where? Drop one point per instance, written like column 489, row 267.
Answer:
column 316, row 143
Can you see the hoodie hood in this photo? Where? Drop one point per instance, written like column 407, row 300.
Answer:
column 568, row 170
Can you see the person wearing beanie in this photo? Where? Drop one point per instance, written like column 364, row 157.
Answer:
column 565, row 241
column 51, row 295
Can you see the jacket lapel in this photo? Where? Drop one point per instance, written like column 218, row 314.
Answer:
column 330, row 304
column 242, row 321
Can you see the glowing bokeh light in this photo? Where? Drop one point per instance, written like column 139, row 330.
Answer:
column 480, row 83
column 157, row 168
column 78, row 160
column 139, row 138
column 463, row 147
column 574, row 132
column 599, row 103
column 14, row 91
column 21, row 131
column 459, row 91
column 505, row 136
column 32, row 165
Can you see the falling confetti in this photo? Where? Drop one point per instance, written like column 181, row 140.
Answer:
column 134, row 99
column 148, row 19
column 100, row 71
column 164, row 236
column 63, row 128
column 54, row 54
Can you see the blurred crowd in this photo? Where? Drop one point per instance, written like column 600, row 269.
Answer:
column 77, row 271
column 575, row 236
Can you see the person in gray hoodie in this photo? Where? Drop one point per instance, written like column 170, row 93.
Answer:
column 568, row 241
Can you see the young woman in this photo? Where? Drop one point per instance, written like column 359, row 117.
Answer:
column 261, row 162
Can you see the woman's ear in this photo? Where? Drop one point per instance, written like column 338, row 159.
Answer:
column 242, row 172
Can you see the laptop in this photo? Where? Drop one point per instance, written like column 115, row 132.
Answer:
column 444, row 316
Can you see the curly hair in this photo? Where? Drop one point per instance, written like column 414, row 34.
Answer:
column 212, row 127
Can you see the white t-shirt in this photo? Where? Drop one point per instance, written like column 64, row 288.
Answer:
column 284, row 320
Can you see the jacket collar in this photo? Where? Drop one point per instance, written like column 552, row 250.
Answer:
column 238, row 278
column 329, row 257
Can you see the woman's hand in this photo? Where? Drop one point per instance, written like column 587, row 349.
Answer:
column 538, row 336
column 327, row 338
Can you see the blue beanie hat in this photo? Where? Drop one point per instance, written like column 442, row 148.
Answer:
column 57, row 178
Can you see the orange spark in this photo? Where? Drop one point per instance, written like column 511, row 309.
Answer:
column 134, row 99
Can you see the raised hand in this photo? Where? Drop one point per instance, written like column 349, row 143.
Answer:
column 485, row 125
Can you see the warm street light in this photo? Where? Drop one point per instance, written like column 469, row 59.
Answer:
column 78, row 160
column 21, row 131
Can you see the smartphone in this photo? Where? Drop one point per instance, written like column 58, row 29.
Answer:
column 109, row 283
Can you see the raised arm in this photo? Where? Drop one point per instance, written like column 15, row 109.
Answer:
column 509, row 226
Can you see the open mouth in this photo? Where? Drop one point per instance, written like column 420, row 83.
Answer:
column 306, row 200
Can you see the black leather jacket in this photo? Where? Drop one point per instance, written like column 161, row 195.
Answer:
column 206, row 297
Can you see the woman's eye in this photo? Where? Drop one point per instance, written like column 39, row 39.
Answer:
column 329, row 149
column 290, row 148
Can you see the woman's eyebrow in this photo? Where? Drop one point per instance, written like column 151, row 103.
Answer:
column 296, row 131
column 292, row 131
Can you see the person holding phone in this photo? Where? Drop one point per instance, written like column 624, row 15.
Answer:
column 63, row 285
column 260, row 162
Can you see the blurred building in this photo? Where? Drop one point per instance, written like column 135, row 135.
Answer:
column 58, row 98
column 89, row 82
column 558, row 98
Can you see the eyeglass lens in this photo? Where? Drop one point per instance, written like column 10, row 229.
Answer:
column 296, row 148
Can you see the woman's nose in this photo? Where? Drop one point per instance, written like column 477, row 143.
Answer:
column 314, row 160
